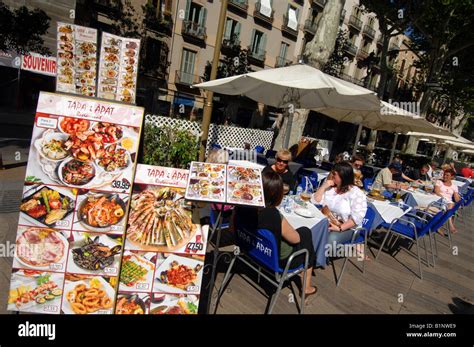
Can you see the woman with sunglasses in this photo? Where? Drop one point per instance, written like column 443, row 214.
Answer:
column 281, row 167
column 346, row 202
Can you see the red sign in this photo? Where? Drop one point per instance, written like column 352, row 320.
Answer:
column 38, row 63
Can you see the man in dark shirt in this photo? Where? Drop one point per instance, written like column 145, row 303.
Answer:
column 283, row 157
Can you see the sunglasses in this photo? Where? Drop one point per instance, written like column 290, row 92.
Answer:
column 282, row 161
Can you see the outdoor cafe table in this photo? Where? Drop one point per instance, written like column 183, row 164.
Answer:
column 293, row 166
column 318, row 225
column 386, row 212
column 419, row 198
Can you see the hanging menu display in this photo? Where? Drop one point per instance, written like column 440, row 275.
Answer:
column 118, row 68
column 77, row 59
column 74, row 206
column 161, row 270
column 231, row 184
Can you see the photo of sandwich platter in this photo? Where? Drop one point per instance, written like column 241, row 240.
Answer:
column 76, row 59
column 161, row 270
column 118, row 68
column 230, row 184
column 74, row 205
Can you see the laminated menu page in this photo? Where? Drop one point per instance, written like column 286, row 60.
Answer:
column 76, row 59
column 220, row 183
column 162, row 266
column 74, row 206
column 118, row 68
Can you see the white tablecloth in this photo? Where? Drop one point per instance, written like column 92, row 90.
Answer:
column 422, row 199
column 388, row 211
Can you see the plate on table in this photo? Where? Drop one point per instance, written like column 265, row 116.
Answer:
column 303, row 212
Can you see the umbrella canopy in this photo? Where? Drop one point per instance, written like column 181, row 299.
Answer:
column 388, row 118
column 301, row 85
column 468, row 151
column 442, row 137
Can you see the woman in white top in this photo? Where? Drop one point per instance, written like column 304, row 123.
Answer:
column 346, row 202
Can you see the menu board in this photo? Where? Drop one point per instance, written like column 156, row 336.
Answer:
column 162, row 266
column 118, row 68
column 231, row 184
column 77, row 59
column 74, row 206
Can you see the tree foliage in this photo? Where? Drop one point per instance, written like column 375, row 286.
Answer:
column 337, row 59
column 21, row 30
column 234, row 63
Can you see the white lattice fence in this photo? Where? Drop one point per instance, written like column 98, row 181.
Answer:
column 161, row 121
column 228, row 136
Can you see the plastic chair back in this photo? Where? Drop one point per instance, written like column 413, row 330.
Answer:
column 367, row 182
column 260, row 149
column 260, row 245
column 270, row 153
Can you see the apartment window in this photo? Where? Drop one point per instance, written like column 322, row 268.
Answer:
column 265, row 7
column 284, row 50
column 370, row 22
column 232, row 30
column 188, row 61
column 195, row 13
column 313, row 16
column 292, row 14
column 259, row 41
column 357, row 12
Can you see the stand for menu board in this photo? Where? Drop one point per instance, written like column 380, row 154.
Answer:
column 212, row 173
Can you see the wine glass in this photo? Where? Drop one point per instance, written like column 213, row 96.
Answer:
column 305, row 195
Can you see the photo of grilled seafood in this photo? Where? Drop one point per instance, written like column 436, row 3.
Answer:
column 159, row 219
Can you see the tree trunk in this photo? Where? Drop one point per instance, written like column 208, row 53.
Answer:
column 317, row 53
column 383, row 58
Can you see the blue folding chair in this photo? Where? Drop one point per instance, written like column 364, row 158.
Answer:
column 414, row 229
column 216, row 146
column 258, row 250
column 367, row 182
column 270, row 153
column 312, row 176
column 443, row 221
column 359, row 236
column 260, row 149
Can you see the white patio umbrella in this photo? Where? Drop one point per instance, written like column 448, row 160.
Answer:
column 388, row 118
column 300, row 86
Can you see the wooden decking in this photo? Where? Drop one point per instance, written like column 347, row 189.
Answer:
column 389, row 286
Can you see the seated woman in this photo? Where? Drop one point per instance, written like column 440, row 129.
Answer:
column 281, row 166
column 446, row 189
column 346, row 202
column 288, row 239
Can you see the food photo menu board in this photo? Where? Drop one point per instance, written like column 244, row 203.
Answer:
column 165, row 245
column 74, row 206
column 76, row 59
column 231, row 184
column 118, row 68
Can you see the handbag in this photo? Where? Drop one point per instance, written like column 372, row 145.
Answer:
column 332, row 219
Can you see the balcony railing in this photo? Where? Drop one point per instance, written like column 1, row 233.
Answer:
column 369, row 31
column 281, row 61
column 355, row 22
column 160, row 25
column 362, row 53
column 287, row 29
column 310, row 25
column 258, row 55
column 351, row 48
column 257, row 14
column 186, row 79
column 241, row 5
column 321, row 3
column 232, row 44
column 194, row 30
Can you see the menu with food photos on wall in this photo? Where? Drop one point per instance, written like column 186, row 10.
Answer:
column 162, row 266
column 118, row 68
column 76, row 59
column 74, row 205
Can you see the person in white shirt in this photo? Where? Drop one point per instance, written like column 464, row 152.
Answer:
column 346, row 202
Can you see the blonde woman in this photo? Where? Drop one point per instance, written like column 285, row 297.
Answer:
column 281, row 167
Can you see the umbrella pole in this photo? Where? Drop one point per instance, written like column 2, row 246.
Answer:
column 206, row 119
column 288, row 129
column 359, row 132
column 392, row 153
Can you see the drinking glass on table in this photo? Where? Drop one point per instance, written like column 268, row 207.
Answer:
column 305, row 195
column 286, row 188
